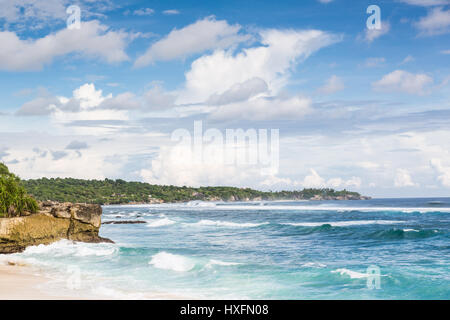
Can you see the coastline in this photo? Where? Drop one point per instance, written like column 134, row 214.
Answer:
column 21, row 282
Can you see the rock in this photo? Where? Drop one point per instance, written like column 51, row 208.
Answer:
column 54, row 221
column 124, row 222
column 90, row 214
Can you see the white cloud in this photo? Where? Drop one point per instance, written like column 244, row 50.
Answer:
column 372, row 34
column 445, row 51
column 426, row 3
column 403, row 81
column 403, row 179
column 368, row 165
column 15, row 10
column 280, row 52
column 171, row 12
column 143, row 12
column 332, row 85
column 180, row 165
column 239, row 92
column 157, row 99
column 35, row 14
column 265, row 108
column 314, row 180
column 88, row 96
column 442, row 171
column 86, row 104
column 354, row 182
column 39, row 106
column 325, row 1
column 93, row 40
column 408, row 58
column 89, row 103
column 122, row 101
column 436, row 22
column 206, row 34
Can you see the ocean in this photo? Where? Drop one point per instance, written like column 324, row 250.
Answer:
column 373, row 249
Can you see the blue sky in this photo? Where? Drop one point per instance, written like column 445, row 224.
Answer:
column 361, row 109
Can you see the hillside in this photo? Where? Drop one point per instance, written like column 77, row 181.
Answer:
column 121, row 192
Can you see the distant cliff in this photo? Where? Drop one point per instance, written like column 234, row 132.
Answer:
column 53, row 222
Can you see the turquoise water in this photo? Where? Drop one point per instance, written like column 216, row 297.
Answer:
column 261, row 250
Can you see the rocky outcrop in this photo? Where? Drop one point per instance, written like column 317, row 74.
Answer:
column 125, row 222
column 54, row 221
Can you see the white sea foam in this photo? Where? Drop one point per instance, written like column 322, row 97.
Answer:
column 314, row 265
column 342, row 223
column 350, row 273
column 160, row 223
column 197, row 203
column 213, row 262
column 70, row 248
column 321, row 207
column 227, row 224
column 410, row 230
column 169, row 261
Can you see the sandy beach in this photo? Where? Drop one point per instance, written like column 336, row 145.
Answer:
column 19, row 282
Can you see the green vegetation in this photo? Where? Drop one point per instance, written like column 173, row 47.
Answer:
column 119, row 192
column 14, row 200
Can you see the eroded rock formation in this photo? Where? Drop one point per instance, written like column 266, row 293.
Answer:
column 54, row 221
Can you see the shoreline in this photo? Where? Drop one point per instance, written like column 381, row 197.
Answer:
column 227, row 202
column 20, row 281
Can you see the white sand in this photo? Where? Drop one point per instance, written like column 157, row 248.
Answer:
column 21, row 282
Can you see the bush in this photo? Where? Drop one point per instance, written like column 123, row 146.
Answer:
column 14, row 200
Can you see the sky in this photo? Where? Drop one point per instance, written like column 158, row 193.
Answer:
column 353, row 107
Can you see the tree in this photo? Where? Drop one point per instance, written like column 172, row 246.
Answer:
column 14, row 201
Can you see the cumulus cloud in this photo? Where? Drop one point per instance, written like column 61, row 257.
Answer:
column 157, row 99
column 314, row 180
column 39, row 107
column 437, row 21
column 89, row 103
column 403, row 179
column 403, row 81
column 205, row 34
column 442, row 171
column 122, row 101
column 181, row 165
column 239, row 92
column 332, row 85
column 272, row 61
column 92, row 40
